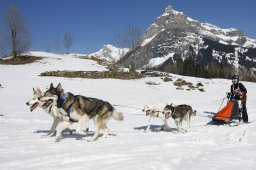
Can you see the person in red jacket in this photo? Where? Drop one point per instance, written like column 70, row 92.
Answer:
column 238, row 92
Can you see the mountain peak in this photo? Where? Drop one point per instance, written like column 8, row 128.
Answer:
column 110, row 53
column 168, row 8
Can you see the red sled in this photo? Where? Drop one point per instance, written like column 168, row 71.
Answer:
column 230, row 112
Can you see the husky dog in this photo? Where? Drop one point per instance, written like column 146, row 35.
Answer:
column 154, row 110
column 49, row 106
column 80, row 108
column 180, row 113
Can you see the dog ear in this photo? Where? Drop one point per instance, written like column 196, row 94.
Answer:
column 34, row 91
column 51, row 86
column 59, row 87
column 39, row 91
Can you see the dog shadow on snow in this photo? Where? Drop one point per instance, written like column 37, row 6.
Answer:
column 67, row 134
column 155, row 128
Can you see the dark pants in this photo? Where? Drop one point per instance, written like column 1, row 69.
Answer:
column 244, row 113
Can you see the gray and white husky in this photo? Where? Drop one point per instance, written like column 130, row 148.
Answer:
column 80, row 108
column 50, row 107
column 179, row 114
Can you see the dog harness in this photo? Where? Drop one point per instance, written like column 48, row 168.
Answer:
column 62, row 100
column 156, row 113
column 60, row 103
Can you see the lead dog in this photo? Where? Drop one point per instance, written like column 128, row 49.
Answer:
column 80, row 108
column 179, row 114
column 49, row 106
column 155, row 110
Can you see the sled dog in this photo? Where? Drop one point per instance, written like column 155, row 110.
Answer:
column 80, row 108
column 49, row 106
column 154, row 110
column 179, row 114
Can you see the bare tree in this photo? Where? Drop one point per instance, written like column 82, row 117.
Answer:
column 18, row 36
column 129, row 38
column 67, row 41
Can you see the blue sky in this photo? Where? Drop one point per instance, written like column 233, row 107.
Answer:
column 93, row 23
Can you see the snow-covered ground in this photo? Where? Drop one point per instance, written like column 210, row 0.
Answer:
column 204, row 146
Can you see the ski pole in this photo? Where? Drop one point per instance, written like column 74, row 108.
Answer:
column 222, row 103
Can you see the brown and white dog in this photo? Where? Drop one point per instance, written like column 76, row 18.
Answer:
column 179, row 114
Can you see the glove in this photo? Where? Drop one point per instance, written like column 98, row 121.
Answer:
column 228, row 95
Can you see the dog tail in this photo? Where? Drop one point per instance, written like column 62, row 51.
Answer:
column 194, row 113
column 117, row 115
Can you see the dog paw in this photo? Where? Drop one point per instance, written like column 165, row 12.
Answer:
column 90, row 139
column 178, row 132
column 47, row 136
column 81, row 132
column 105, row 136
column 184, row 131
column 57, row 139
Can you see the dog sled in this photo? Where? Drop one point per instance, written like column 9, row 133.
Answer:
column 230, row 114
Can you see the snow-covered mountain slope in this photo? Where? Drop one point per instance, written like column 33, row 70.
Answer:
column 174, row 32
column 110, row 53
column 23, row 147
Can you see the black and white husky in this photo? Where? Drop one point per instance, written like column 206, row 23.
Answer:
column 80, row 108
column 179, row 114
column 50, row 107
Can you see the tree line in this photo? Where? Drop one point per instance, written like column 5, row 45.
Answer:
column 190, row 67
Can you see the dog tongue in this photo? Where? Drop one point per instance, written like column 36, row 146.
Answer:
column 34, row 106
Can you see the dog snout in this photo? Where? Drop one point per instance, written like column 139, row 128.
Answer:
column 27, row 103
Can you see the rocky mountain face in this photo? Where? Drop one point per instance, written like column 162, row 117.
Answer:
column 174, row 37
column 110, row 53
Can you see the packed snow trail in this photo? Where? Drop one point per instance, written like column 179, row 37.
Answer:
column 204, row 146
